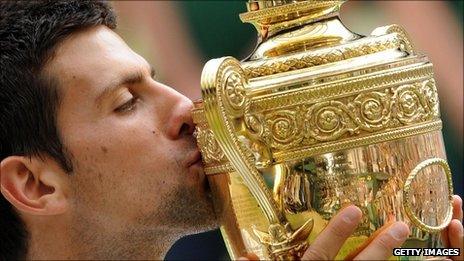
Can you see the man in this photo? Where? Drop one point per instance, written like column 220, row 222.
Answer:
column 98, row 160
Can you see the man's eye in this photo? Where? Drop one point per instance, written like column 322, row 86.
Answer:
column 128, row 106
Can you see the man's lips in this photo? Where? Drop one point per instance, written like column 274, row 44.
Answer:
column 194, row 158
column 195, row 165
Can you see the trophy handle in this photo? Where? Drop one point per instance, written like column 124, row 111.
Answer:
column 224, row 89
column 405, row 43
column 407, row 190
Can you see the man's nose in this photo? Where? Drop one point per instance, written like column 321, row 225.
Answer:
column 179, row 122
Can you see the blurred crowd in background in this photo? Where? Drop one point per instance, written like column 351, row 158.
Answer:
column 178, row 37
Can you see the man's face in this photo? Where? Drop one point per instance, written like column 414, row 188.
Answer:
column 136, row 165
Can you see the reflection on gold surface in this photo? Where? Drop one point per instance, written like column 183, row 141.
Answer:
column 371, row 177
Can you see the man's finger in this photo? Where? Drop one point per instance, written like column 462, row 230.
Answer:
column 382, row 246
column 455, row 236
column 457, row 207
column 444, row 237
column 331, row 239
column 252, row 257
column 360, row 248
column 457, row 214
column 249, row 257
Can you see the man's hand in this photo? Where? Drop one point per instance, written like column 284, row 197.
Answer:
column 380, row 245
column 330, row 240
column 453, row 235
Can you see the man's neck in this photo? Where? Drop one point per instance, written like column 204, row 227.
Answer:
column 48, row 240
column 62, row 242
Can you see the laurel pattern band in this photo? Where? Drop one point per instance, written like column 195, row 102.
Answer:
column 328, row 55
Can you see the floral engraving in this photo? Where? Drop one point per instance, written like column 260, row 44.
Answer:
column 328, row 121
column 234, row 90
column 282, row 128
column 374, row 110
column 408, row 104
column 209, row 146
column 431, row 97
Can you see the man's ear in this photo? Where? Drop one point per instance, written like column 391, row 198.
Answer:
column 34, row 185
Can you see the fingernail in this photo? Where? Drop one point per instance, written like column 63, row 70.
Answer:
column 399, row 231
column 351, row 214
column 458, row 199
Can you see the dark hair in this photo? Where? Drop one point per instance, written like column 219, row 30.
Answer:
column 30, row 31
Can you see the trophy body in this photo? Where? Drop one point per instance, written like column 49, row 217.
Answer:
column 317, row 118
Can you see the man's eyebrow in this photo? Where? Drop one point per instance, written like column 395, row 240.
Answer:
column 129, row 79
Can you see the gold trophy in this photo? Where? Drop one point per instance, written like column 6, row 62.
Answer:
column 315, row 118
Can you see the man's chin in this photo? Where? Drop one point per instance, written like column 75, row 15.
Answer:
column 211, row 220
column 190, row 206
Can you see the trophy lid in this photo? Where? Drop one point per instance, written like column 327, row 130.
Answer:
column 267, row 11
column 290, row 26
